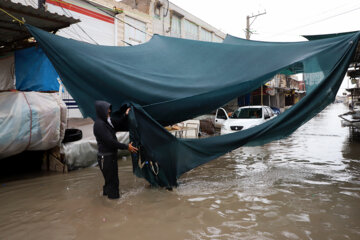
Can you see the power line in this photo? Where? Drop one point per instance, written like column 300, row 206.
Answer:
column 126, row 43
column 335, row 8
column 118, row 18
column 315, row 22
column 71, row 28
column 70, row 15
column 78, row 25
column 324, row 19
column 101, row 9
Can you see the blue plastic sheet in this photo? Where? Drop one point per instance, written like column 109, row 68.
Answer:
column 34, row 71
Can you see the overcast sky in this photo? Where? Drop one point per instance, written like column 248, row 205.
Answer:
column 285, row 20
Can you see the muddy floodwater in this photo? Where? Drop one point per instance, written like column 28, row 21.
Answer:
column 304, row 187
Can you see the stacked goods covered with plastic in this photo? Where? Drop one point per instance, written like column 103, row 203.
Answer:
column 30, row 121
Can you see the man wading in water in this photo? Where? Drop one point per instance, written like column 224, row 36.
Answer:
column 108, row 146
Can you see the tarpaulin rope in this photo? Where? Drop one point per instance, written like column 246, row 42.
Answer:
column 13, row 17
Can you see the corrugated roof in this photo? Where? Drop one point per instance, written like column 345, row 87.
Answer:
column 13, row 34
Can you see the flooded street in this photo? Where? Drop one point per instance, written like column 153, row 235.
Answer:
column 304, row 187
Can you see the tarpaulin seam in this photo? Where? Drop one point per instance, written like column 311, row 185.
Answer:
column 30, row 110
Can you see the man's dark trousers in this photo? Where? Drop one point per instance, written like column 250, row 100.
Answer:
column 109, row 168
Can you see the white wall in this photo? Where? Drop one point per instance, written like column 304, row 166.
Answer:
column 96, row 27
column 91, row 29
column 134, row 32
column 191, row 26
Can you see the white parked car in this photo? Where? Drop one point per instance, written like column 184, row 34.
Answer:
column 242, row 118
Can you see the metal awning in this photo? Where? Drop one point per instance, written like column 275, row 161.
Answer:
column 14, row 35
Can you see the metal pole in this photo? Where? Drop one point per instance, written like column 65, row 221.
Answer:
column 248, row 24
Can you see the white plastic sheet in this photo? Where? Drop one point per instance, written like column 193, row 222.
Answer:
column 83, row 153
column 30, row 121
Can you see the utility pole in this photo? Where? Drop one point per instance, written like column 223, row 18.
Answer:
column 248, row 32
column 248, row 24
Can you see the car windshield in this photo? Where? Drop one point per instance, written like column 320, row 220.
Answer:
column 247, row 113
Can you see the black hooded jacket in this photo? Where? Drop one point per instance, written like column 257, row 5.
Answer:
column 104, row 132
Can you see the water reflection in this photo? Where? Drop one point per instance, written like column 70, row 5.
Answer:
column 351, row 147
column 351, row 154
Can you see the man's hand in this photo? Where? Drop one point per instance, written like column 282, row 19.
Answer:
column 132, row 149
column 127, row 111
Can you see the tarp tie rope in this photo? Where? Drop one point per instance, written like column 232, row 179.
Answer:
column 141, row 164
column 30, row 110
column 13, row 17
column 153, row 169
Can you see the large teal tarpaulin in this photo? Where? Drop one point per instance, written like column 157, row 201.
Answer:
column 169, row 80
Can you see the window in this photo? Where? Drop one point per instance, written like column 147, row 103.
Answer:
column 245, row 113
column 157, row 12
column 134, row 31
column 191, row 30
column 271, row 112
column 216, row 38
column 205, row 35
column 175, row 26
column 157, row 9
column 221, row 114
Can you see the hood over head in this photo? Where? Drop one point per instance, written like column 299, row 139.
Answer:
column 102, row 108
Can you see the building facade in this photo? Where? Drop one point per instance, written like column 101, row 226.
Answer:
column 167, row 19
column 171, row 20
column 280, row 92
